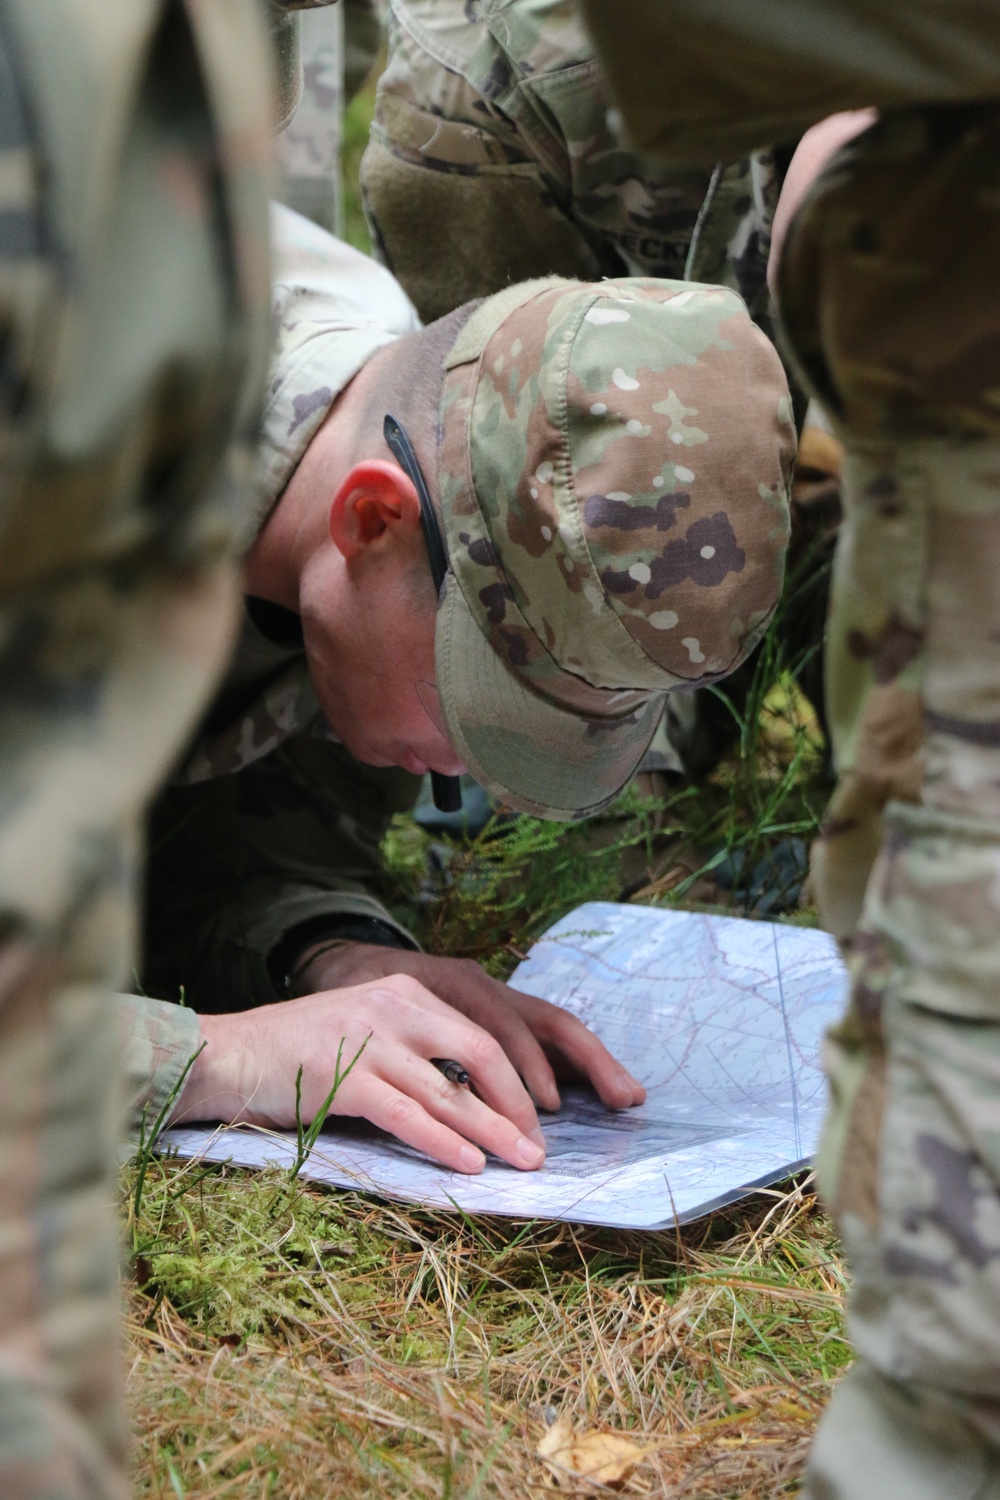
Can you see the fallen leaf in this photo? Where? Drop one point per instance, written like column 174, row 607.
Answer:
column 604, row 1457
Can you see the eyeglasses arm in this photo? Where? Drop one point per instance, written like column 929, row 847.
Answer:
column 446, row 790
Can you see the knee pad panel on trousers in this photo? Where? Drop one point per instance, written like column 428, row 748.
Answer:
column 491, row 229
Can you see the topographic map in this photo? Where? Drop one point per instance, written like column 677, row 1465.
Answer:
column 720, row 1018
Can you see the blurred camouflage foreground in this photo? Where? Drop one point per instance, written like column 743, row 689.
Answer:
column 134, row 282
column 309, row 146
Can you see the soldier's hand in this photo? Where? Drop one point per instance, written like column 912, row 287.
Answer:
column 247, row 1069
column 541, row 1040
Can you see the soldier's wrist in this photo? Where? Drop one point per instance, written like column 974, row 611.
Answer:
column 214, row 1088
column 293, row 963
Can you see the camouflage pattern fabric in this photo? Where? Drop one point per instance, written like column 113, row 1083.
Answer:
column 890, row 305
column 498, row 107
column 286, row 36
column 909, row 1160
column 331, row 309
column 309, row 146
column 591, row 570
column 132, row 280
column 731, row 242
column 701, row 81
column 491, row 159
column 241, row 860
column 327, row 54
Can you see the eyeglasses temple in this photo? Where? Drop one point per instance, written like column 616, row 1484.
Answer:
column 446, row 790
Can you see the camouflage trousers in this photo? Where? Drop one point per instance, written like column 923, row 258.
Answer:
column 133, row 291
column 491, row 160
column 83, row 738
column 890, row 301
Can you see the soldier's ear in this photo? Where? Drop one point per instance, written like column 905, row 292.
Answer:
column 376, row 504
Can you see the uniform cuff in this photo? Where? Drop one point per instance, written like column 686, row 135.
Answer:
column 160, row 1040
column 330, row 927
column 299, row 920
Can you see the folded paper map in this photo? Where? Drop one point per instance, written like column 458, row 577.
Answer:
column 721, row 1019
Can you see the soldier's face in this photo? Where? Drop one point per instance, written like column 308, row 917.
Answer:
column 378, row 693
column 369, row 633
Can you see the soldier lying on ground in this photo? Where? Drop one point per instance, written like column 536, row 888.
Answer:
column 609, row 464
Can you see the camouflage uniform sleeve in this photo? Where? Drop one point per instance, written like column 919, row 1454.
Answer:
column 238, row 862
column 159, row 1039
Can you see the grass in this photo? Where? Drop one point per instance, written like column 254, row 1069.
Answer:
column 490, row 897
column 286, row 1342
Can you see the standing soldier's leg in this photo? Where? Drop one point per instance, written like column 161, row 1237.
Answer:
column 491, row 159
column 133, row 294
column 309, row 147
column 890, row 299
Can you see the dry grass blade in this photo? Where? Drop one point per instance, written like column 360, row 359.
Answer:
column 426, row 1360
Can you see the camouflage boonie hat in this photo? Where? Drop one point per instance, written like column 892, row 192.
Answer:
column 613, row 468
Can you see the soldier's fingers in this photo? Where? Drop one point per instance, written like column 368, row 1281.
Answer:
column 495, row 1078
column 486, row 1002
column 442, row 1031
column 586, row 1054
column 527, row 1056
column 396, row 1111
column 455, row 1106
